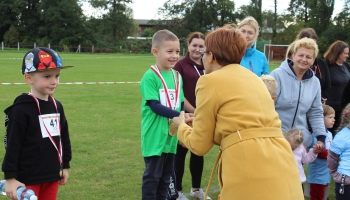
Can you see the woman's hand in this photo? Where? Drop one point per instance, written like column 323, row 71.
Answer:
column 183, row 118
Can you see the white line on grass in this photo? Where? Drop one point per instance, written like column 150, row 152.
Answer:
column 79, row 83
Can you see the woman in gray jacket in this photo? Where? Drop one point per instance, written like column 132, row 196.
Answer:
column 299, row 92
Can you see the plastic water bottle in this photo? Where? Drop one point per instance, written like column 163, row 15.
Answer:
column 22, row 193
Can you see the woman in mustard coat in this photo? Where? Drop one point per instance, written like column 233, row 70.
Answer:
column 235, row 111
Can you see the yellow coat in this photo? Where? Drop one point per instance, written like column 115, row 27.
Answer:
column 235, row 110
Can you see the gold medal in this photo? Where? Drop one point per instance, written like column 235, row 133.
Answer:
column 172, row 129
column 61, row 173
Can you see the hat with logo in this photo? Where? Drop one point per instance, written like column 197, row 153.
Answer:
column 39, row 59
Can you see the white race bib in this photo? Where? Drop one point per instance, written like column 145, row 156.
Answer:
column 163, row 99
column 49, row 122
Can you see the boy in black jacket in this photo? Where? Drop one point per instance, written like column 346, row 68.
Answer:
column 37, row 141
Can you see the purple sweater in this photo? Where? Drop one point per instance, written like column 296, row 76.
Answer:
column 190, row 76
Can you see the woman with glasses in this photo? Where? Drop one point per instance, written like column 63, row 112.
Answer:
column 253, row 59
column 190, row 68
column 236, row 112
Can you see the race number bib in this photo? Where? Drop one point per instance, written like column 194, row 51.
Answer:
column 163, row 99
column 49, row 122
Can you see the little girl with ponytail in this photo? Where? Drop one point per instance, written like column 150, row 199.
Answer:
column 295, row 139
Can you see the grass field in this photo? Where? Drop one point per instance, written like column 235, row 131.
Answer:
column 104, row 122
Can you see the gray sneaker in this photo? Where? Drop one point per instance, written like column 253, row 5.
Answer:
column 181, row 196
column 199, row 194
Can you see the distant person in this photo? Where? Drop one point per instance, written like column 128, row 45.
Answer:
column 271, row 85
column 339, row 70
column 38, row 149
column 255, row 160
column 319, row 67
column 318, row 173
column 297, row 90
column 190, row 68
column 253, row 59
column 162, row 99
column 339, row 157
column 295, row 139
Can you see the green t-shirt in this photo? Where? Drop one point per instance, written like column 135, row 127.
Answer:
column 155, row 138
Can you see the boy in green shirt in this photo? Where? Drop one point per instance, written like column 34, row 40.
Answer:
column 162, row 99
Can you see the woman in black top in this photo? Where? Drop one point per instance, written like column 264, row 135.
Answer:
column 319, row 67
column 339, row 70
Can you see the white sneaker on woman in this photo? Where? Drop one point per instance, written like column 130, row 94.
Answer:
column 199, row 194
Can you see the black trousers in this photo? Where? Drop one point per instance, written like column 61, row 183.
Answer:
column 156, row 178
column 196, row 167
column 345, row 196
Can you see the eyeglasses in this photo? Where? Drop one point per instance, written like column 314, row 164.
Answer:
column 203, row 52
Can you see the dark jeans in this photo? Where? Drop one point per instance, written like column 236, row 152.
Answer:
column 345, row 196
column 196, row 167
column 156, row 178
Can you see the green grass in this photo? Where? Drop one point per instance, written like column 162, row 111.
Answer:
column 104, row 122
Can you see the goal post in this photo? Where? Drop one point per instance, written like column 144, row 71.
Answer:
column 275, row 52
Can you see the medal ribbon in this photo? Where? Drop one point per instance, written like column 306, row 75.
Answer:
column 166, row 91
column 59, row 150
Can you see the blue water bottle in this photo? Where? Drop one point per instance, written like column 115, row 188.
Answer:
column 22, row 192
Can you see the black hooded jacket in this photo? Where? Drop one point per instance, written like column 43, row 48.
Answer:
column 31, row 158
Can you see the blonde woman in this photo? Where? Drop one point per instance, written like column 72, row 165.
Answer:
column 253, row 59
column 299, row 92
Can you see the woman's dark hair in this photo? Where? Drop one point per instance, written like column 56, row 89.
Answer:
column 334, row 51
column 193, row 35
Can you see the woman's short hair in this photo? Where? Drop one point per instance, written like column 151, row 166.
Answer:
column 193, row 35
column 334, row 51
column 308, row 33
column 306, row 43
column 250, row 21
column 290, row 50
column 227, row 44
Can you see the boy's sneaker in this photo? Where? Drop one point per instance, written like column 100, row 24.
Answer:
column 181, row 196
column 199, row 194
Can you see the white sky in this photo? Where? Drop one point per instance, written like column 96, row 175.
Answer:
column 147, row 9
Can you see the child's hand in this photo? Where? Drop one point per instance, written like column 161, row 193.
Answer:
column 180, row 119
column 11, row 188
column 317, row 148
column 65, row 177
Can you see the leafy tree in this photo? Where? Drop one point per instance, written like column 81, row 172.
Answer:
column 9, row 12
column 62, row 20
column 11, row 36
column 320, row 14
column 29, row 20
column 118, row 19
column 299, row 9
column 148, row 32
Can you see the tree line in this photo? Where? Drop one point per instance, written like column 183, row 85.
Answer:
column 62, row 22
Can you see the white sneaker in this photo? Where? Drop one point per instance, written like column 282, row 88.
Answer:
column 199, row 194
column 181, row 196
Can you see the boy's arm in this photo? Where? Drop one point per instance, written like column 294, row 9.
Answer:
column 15, row 133
column 162, row 110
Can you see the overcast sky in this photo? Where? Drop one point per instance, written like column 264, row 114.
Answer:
column 147, row 9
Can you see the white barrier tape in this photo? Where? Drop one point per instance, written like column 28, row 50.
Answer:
column 84, row 58
column 79, row 83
